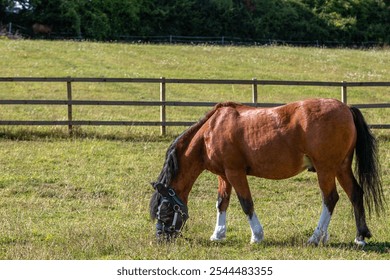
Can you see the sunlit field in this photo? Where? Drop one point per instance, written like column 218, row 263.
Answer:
column 87, row 196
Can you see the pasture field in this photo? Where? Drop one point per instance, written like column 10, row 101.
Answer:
column 86, row 197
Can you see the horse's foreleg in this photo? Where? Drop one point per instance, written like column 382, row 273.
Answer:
column 224, row 192
column 329, row 200
column 240, row 184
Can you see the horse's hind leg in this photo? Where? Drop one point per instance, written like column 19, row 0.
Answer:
column 240, row 183
column 224, row 192
column 355, row 195
column 329, row 200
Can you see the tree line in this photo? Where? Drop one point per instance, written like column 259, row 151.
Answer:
column 346, row 21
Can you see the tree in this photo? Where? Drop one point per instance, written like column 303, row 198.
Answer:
column 109, row 19
column 292, row 20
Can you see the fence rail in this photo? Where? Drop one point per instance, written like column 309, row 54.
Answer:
column 162, row 103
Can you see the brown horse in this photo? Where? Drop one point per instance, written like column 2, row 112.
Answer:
column 234, row 141
column 39, row 28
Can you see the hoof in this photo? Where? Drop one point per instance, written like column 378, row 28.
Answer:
column 316, row 239
column 217, row 239
column 312, row 242
column 360, row 241
column 255, row 241
column 257, row 238
column 219, row 234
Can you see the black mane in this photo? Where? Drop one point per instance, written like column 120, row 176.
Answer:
column 171, row 166
column 168, row 172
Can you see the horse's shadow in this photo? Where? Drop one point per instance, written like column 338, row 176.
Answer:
column 371, row 246
column 375, row 247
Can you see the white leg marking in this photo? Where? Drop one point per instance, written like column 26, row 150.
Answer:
column 321, row 232
column 256, row 228
column 220, row 227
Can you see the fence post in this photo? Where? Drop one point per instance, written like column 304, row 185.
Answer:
column 162, row 108
column 70, row 109
column 344, row 92
column 254, row 92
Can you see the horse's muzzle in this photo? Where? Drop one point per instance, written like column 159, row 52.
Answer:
column 166, row 233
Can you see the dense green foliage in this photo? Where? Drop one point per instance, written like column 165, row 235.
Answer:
column 344, row 21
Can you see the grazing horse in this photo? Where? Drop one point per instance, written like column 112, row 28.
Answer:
column 233, row 141
column 39, row 28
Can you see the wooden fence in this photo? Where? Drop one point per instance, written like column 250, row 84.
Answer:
column 162, row 103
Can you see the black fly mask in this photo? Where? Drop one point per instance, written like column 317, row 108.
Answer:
column 171, row 213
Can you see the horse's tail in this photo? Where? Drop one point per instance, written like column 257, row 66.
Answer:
column 367, row 164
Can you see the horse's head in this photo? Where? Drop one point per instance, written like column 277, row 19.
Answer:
column 171, row 213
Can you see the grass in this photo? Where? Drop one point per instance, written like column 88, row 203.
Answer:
column 86, row 197
column 82, row 59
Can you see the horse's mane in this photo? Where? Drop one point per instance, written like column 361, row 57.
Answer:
column 171, row 167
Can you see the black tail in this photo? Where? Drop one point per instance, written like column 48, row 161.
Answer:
column 367, row 164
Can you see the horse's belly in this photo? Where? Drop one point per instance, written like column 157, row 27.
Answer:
column 276, row 174
column 278, row 166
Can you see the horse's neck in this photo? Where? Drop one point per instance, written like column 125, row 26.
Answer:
column 190, row 158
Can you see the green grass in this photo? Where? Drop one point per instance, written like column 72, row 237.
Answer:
column 83, row 59
column 86, row 197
